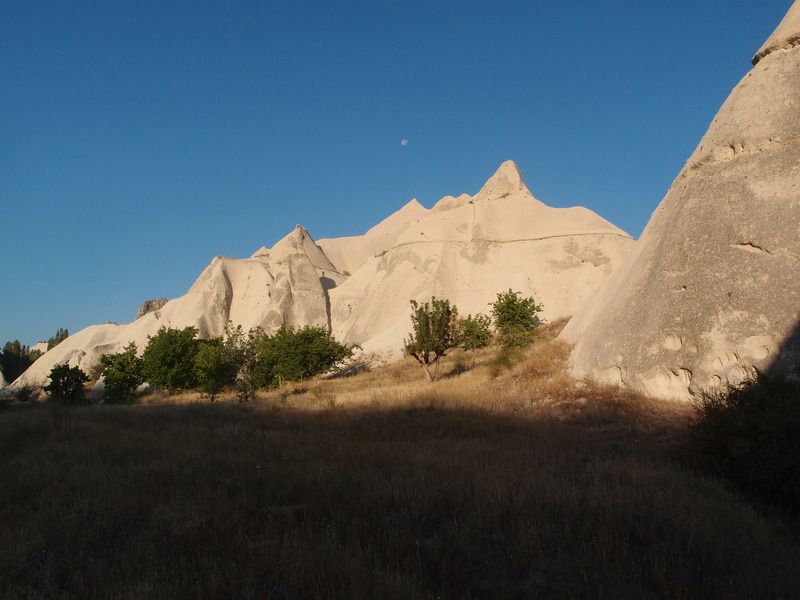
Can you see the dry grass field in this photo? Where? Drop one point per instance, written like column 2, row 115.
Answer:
column 496, row 481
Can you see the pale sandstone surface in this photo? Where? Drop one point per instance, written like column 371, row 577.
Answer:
column 501, row 238
column 350, row 253
column 465, row 249
column 713, row 287
column 282, row 286
column 785, row 36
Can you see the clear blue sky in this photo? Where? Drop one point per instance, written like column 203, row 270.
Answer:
column 140, row 139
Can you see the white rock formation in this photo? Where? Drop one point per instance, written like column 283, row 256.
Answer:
column 468, row 249
column 465, row 248
column 285, row 285
column 350, row 253
column 39, row 347
column 714, row 284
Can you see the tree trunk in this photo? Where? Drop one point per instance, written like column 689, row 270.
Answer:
column 427, row 372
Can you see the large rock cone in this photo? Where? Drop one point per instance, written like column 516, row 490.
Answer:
column 713, row 287
column 467, row 249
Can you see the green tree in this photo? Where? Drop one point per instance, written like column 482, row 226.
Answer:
column 16, row 358
column 434, row 331
column 123, row 372
column 60, row 336
column 241, row 350
column 213, row 367
column 295, row 354
column 516, row 319
column 474, row 332
column 169, row 358
column 67, row 385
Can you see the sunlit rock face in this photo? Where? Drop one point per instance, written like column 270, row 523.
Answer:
column 713, row 287
column 469, row 248
column 465, row 248
column 281, row 286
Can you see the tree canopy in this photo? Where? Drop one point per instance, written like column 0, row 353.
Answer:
column 434, row 331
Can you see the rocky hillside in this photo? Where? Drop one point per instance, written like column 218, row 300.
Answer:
column 465, row 248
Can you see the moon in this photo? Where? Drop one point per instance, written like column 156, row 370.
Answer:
column 404, row 142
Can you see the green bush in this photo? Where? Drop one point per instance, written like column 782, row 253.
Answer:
column 750, row 433
column 241, row 352
column 506, row 358
column 475, row 332
column 214, row 368
column 295, row 354
column 516, row 319
column 123, row 372
column 60, row 336
column 16, row 358
column 67, row 385
column 434, row 331
column 24, row 393
column 169, row 358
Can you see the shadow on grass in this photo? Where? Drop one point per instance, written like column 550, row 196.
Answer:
column 251, row 501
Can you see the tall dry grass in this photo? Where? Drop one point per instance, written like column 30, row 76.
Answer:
column 517, row 482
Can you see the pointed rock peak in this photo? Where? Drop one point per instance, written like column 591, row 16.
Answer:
column 262, row 252
column 786, row 36
column 413, row 204
column 295, row 240
column 506, row 180
column 451, row 202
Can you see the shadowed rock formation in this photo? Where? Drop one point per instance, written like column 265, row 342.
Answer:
column 713, row 287
column 149, row 306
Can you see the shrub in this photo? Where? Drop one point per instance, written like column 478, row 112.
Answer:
column 434, row 331
column 123, row 372
column 168, row 359
column 24, row 393
column 516, row 319
column 506, row 358
column 241, row 352
column 213, row 367
column 16, row 358
column 60, row 336
column 475, row 332
column 750, row 433
column 296, row 354
column 67, row 385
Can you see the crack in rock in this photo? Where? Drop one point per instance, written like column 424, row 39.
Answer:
column 752, row 248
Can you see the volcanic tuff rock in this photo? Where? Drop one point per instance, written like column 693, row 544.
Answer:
column 282, row 286
column 713, row 286
column 149, row 306
column 465, row 249
column 501, row 238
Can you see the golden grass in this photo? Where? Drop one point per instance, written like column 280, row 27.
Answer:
column 486, row 483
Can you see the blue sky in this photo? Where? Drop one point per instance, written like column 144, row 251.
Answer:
column 140, row 139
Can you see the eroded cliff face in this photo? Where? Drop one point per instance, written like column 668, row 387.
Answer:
column 281, row 286
column 465, row 249
column 713, row 287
